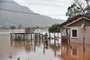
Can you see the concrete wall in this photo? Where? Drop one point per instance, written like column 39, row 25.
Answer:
column 87, row 35
column 81, row 33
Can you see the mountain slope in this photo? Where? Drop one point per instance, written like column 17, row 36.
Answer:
column 13, row 13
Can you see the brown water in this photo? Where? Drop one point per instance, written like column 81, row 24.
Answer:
column 24, row 50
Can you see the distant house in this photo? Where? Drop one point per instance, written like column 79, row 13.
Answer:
column 41, row 31
column 76, row 30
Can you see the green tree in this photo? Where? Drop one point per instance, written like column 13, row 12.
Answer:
column 54, row 28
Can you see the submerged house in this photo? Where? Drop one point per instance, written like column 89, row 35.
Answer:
column 76, row 30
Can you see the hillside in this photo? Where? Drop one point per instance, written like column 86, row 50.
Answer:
column 12, row 13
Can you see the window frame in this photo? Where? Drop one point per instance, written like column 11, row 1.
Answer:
column 72, row 32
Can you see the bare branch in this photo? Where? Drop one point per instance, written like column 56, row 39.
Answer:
column 78, row 4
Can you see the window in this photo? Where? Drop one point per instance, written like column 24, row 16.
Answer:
column 74, row 33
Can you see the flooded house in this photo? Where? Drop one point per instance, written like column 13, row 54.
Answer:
column 75, row 32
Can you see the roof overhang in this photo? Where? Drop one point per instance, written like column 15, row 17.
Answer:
column 74, row 20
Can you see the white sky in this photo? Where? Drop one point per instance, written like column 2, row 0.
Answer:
column 53, row 8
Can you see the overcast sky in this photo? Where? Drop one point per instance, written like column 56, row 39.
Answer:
column 53, row 8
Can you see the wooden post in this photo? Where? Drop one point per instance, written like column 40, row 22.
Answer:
column 23, row 37
column 44, row 45
column 26, row 36
column 49, row 35
column 49, row 38
column 11, row 38
column 43, row 38
column 35, row 42
column 15, row 36
column 54, row 39
column 83, row 43
column 31, row 38
column 34, row 46
column 58, row 37
column 39, row 39
column 46, row 40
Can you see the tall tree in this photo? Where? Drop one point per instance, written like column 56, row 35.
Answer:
column 73, row 10
column 88, row 6
column 78, row 7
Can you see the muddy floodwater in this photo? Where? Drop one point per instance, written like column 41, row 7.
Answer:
column 25, row 50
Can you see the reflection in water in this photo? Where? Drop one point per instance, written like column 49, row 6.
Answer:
column 25, row 44
column 75, row 53
column 39, row 50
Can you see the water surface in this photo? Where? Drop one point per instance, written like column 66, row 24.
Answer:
column 25, row 50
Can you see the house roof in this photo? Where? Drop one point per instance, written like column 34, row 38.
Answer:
column 73, row 19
